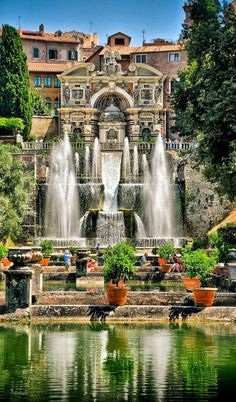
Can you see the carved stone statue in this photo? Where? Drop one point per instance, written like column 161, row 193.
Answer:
column 111, row 67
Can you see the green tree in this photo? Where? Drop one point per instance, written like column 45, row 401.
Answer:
column 39, row 105
column 16, row 188
column 15, row 96
column 205, row 95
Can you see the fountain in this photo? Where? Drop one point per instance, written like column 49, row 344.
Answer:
column 112, row 208
column 62, row 202
column 126, row 158
column 135, row 162
column 158, row 195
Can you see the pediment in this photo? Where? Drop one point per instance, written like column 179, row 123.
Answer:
column 79, row 70
column 144, row 70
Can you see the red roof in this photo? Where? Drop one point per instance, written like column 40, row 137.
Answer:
column 49, row 67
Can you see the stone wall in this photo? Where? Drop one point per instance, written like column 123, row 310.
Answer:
column 44, row 126
column 203, row 207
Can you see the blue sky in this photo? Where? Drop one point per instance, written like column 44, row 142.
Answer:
column 159, row 18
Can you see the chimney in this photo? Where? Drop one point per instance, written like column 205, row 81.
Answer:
column 41, row 29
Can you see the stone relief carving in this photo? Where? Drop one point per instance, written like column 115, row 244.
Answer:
column 136, row 96
column 157, row 93
column 88, row 94
column 132, row 67
column 125, row 86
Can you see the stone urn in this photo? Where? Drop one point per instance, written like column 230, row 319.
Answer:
column 19, row 276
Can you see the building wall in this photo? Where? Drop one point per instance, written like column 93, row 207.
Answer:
column 44, row 46
column 44, row 126
column 112, row 39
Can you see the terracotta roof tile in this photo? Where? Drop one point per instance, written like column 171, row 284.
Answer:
column 49, row 37
column 157, row 48
column 49, row 67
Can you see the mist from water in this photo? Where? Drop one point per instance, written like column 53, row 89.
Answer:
column 62, row 200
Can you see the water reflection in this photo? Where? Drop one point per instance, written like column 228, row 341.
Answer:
column 101, row 362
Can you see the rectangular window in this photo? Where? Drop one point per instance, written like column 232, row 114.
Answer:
column 47, row 81
column 36, row 53
column 141, row 58
column 119, row 41
column 37, row 82
column 52, row 54
column 57, row 83
column 174, row 57
column 73, row 55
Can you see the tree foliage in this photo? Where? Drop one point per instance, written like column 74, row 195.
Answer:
column 205, row 95
column 15, row 97
column 11, row 125
column 39, row 105
column 16, row 187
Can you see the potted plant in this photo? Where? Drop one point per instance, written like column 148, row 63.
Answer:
column 47, row 249
column 197, row 264
column 3, row 256
column 119, row 267
column 166, row 254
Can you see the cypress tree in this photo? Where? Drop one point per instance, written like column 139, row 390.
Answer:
column 15, row 97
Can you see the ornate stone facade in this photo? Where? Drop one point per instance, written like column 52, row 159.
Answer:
column 137, row 94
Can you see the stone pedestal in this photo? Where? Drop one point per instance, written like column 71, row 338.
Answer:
column 19, row 276
column 18, row 288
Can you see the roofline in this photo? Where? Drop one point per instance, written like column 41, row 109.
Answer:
column 117, row 34
column 94, row 54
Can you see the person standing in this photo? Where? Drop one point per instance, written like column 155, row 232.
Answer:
column 67, row 259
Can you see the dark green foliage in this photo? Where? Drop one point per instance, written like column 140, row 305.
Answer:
column 39, row 105
column 47, row 247
column 205, row 95
column 15, row 97
column 199, row 243
column 119, row 263
column 16, row 188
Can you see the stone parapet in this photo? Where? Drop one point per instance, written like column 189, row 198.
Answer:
column 132, row 313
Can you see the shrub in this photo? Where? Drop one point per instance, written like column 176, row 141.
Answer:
column 199, row 264
column 167, row 251
column 3, row 251
column 47, row 247
column 119, row 263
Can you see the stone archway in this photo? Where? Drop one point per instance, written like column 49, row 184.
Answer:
column 100, row 98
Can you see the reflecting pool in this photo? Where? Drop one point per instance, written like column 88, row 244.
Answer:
column 132, row 362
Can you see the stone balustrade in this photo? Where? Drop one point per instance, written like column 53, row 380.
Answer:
column 142, row 146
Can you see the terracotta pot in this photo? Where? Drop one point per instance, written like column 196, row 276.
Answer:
column 6, row 262
column 44, row 262
column 116, row 295
column 191, row 283
column 165, row 268
column 162, row 261
column 121, row 284
column 204, row 297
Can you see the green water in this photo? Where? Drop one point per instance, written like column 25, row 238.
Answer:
column 99, row 362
